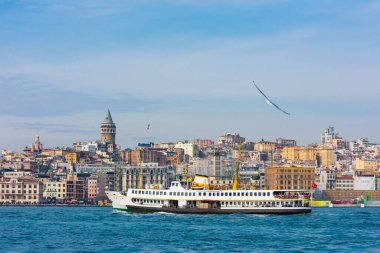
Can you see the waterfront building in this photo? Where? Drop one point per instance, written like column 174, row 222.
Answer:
column 351, row 195
column 345, row 183
column 92, row 189
column 289, row 178
column 76, row 190
column 364, row 181
column 327, row 179
column 21, row 190
column 55, row 190
column 108, row 130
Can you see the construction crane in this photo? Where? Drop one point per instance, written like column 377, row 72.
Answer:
column 235, row 183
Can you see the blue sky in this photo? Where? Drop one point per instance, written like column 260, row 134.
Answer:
column 186, row 67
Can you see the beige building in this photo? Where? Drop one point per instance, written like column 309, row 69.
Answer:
column 299, row 153
column 344, row 183
column 55, row 190
column 326, row 157
column 289, row 178
column 265, row 146
column 22, row 190
column 366, row 164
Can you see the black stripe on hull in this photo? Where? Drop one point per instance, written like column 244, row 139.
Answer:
column 145, row 209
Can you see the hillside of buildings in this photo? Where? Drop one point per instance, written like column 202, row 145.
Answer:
column 334, row 169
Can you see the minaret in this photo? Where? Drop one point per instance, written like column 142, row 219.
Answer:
column 108, row 129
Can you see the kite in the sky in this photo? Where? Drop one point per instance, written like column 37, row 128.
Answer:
column 269, row 102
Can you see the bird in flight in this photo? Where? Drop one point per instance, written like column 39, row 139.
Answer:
column 148, row 126
column 269, row 102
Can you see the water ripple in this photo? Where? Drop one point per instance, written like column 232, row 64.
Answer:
column 73, row 229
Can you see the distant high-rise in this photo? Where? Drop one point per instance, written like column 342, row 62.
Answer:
column 328, row 135
column 108, row 129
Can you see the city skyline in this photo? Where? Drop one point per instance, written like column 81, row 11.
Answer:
column 187, row 68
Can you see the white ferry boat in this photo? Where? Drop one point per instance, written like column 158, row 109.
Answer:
column 178, row 199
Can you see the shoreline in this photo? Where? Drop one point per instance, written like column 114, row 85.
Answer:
column 55, row 205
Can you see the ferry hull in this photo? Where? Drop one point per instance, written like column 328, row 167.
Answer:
column 140, row 209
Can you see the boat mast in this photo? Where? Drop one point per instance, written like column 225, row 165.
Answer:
column 235, row 183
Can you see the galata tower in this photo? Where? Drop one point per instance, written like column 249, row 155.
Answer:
column 108, row 129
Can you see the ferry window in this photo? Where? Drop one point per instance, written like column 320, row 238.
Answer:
column 268, row 193
column 251, row 193
column 234, row 193
column 185, row 193
column 230, row 194
column 259, row 193
column 139, row 192
column 182, row 193
column 246, row 194
column 217, row 194
column 263, row 193
column 237, row 194
column 255, row 193
column 170, row 193
column 204, row 194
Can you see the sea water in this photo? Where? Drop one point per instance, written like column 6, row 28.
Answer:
column 101, row 229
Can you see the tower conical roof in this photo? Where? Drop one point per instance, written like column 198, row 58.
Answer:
column 108, row 118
